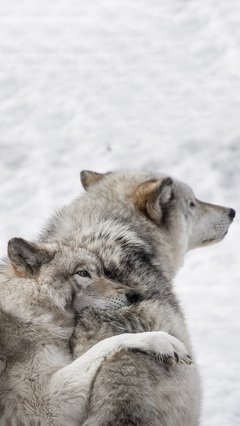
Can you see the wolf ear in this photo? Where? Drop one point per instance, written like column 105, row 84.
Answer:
column 27, row 258
column 88, row 178
column 152, row 196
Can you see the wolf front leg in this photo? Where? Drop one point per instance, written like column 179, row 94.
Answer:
column 69, row 387
column 141, row 391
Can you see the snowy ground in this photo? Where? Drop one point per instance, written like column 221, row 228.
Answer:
column 104, row 84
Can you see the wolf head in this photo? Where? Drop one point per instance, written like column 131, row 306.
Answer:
column 167, row 203
column 72, row 269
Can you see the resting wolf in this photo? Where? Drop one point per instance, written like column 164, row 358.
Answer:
column 39, row 383
column 105, row 308
column 141, row 225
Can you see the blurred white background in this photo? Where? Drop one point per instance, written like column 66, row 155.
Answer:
column 104, row 84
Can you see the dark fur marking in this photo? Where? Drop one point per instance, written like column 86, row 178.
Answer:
column 136, row 267
column 113, row 272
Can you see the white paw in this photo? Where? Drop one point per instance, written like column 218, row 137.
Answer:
column 163, row 346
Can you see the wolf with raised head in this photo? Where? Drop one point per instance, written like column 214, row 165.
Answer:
column 40, row 384
column 141, row 225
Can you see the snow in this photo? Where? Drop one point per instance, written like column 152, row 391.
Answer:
column 103, row 85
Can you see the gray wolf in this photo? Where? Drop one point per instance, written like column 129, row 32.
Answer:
column 103, row 310
column 40, row 383
column 141, row 225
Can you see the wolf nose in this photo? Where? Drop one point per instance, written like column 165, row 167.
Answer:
column 232, row 214
column 133, row 296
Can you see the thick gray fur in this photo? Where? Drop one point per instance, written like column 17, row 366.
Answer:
column 140, row 225
column 40, row 384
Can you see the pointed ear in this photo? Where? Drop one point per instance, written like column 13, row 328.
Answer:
column 88, row 178
column 152, row 196
column 27, row 258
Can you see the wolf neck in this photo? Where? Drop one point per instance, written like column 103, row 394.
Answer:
column 95, row 216
column 131, row 247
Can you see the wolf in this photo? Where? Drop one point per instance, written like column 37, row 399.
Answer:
column 141, row 225
column 103, row 309
column 40, row 384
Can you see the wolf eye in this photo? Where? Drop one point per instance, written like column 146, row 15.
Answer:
column 191, row 204
column 83, row 273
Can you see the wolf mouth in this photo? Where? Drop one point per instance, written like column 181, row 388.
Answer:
column 214, row 240
column 211, row 240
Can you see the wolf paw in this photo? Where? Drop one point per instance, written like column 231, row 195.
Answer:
column 172, row 351
column 164, row 347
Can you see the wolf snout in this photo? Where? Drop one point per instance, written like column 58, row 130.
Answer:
column 133, row 296
column 232, row 214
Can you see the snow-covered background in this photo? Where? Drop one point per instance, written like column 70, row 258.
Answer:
column 106, row 84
